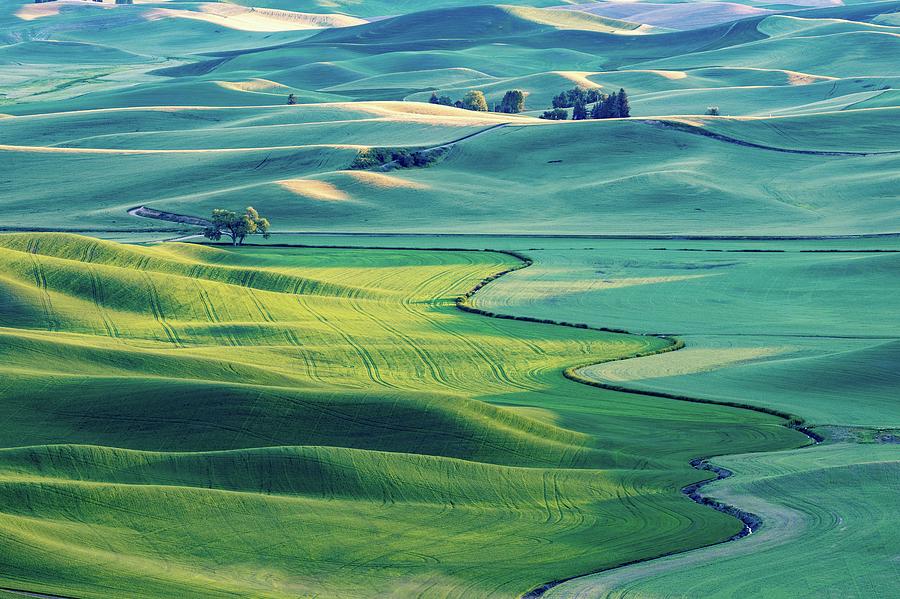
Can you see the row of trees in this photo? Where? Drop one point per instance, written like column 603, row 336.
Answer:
column 513, row 101
column 612, row 106
column 473, row 100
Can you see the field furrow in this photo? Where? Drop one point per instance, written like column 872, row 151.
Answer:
column 338, row 441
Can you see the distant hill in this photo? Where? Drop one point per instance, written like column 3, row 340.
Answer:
column 183, row 113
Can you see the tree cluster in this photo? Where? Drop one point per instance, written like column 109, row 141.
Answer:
column 570, row 98
column 236, row 226
column 513, row 101
column 372, row 157
column 557, row 114
column 612, row 106
column 473, row 100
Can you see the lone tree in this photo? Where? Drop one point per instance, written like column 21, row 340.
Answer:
column 236, row 226
column 624, row 109
column 292, row 99
column 474, row 100
column 513, row 102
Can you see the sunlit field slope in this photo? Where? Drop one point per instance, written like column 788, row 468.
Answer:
column 274, row 422
column 195, row 421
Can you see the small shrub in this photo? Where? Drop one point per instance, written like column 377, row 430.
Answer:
column 557, row 114
column 475, row 100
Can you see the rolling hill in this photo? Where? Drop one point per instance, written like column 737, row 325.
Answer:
column 774, row 324
column 782, row 67
column 784, row 176
column 263, row 402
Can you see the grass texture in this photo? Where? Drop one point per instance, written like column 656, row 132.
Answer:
column 773, row 328
column 829, row 521
column 774, row 324
column 272, row 422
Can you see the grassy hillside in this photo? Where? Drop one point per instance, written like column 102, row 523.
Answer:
column 830, row 68
column 504, row 42
column 774, row 329
column 774, row 324
column 335, row 414
column 675, row 15
column 182, row 420
column 795, row 491
column 659, row 179
column 377, row 8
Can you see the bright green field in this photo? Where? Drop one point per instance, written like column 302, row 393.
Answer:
column 830, row 522
column 770, row 323
column 274, row 422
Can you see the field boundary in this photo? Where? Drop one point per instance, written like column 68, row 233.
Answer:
column 151, row 213
column 692, row 130
column 464, row 303
column 692, row 491
column 34, row 594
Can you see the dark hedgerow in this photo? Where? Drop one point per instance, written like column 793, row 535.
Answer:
column 405, row 158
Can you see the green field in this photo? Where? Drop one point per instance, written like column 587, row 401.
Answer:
column 293, row 163
column 769, row 323
column 290, row 396
column 771, row 326
column 810, row 532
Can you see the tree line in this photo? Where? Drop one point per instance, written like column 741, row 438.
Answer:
column 612, row 106
column 605, row 106
column 513, row 101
